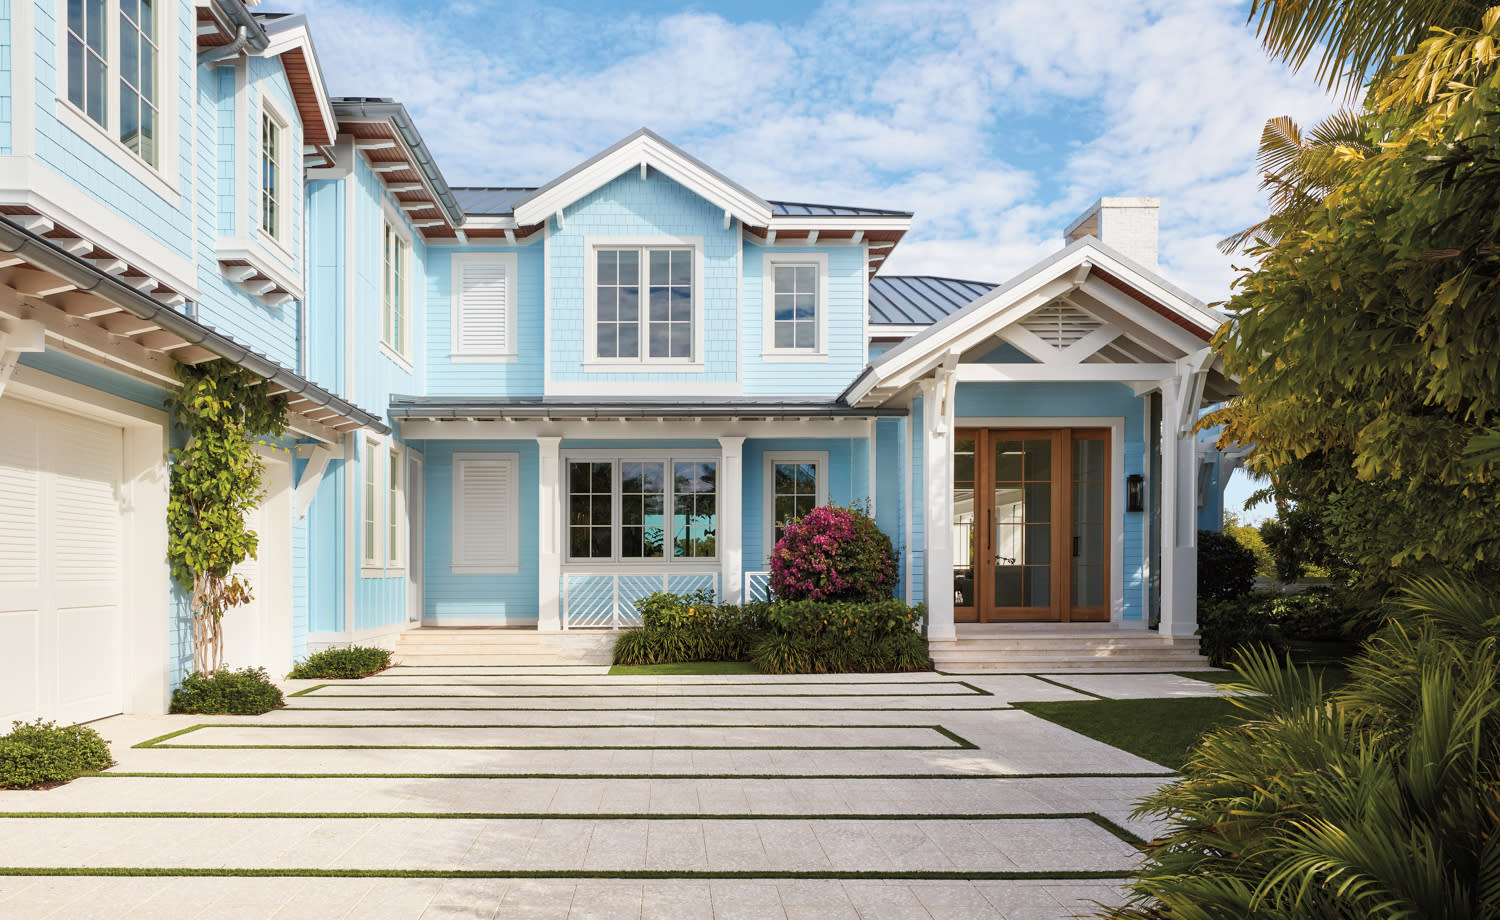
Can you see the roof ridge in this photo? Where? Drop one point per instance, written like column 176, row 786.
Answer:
column 937, row 278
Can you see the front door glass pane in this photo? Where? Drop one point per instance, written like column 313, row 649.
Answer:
column 965, row 534
column 1023, row 528
column 1089, row 520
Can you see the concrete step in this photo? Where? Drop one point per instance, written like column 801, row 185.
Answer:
column 462, row 646
column 1143, row 666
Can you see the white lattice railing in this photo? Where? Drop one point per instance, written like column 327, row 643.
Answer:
column 757, row 586
column 606, row 600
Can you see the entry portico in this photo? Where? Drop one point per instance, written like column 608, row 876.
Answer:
column 1056, row 467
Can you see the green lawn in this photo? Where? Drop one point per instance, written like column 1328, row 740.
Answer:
column 687, row 667
column 1158, row 730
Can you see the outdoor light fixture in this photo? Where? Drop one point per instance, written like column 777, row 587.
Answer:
column 1135, row 492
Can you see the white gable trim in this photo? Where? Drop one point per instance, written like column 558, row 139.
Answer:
column 295, row 38
column 638, row 151
column 1064, row 272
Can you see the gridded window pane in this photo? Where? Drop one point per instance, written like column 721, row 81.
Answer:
column 270, row 175
column 137, row 128
column 695, row 508
column 642, row 506
column 590, row 509
column 795, row 304
column 394, row 510
column 617, row 316
column 670, row 312
column 393, row 293
column 86, row 70
column 795, row 493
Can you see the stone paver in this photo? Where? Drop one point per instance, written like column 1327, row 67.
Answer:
column 716, row 775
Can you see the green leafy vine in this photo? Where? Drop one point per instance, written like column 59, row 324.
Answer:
column 216, row 479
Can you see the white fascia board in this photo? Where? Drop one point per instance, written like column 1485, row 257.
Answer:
column 298, row 37
column 1153, row 285
column 490, row 222
column 895, row 331
column 867, row 223
column 642, row 148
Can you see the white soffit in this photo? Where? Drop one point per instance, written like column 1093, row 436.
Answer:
column 643, row 148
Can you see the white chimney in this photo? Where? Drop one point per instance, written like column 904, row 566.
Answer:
column 1126, row 225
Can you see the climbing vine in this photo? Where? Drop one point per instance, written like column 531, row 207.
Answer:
column 216, row 479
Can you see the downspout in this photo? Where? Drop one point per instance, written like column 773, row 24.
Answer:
column 222, row 52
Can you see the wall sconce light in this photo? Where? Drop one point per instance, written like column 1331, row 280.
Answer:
column 1135, row 492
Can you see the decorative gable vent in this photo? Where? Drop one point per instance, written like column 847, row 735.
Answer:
column 1060, row 324
column 484, row 321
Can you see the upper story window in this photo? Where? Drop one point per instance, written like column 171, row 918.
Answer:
column 795, row 305
column 113, row 77
column 645, row 302
column 395, row 313
column 270, row 174
column 642, row 508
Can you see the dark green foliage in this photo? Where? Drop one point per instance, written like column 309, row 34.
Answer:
column 1226, row 567
column 38, row 753
column 1227, row 626
column 342, row 664
column 1378, row 800
column 1316, row 616
column 676, row 628
column 245, row 693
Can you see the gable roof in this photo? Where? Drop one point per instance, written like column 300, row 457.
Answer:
column 290, row 40
column 500, row 201
column 920, row 300
column 1085, row 265
column 643, row 148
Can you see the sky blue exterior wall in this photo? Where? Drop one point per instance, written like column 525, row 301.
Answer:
column 504, row 598
column 5, row 78
column 520, row 377
column 1078, row 400
column 846, row 483
column 325, row 282
column 630, row 207
column 845, row 348
column 890, row 498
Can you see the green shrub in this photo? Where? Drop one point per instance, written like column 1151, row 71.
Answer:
column 782, row 653
column 1228, row 625
column 677, row 628
column 833, row 553
column 342, row 664
column 1226, row 567
column 844, row 637
column 39, row 753
column 1315, row 616
column 245, row 693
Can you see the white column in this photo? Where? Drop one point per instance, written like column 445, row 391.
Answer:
column 937, row 460
column 1179, row 526
column 873, row 463
column 549, row 535
column 731, row 530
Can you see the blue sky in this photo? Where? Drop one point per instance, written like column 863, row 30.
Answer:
column 996, row 122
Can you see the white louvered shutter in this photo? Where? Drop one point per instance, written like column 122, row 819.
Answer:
column 485, row 529
column 484, row 289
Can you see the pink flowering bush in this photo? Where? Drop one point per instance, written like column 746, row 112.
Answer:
column 833, row 554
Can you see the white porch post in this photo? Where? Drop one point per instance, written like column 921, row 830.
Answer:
column 937, row 461
column 731, row 535
column 1179, row 527
column 549, row 537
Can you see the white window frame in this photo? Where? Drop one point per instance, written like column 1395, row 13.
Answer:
column 818, row 458
column 462, row 560
column 615, row 560
column 286, row 190
column 511, row 262
column 395, row 509
column 819, row 260
column 373, row 499
column 397, row 226
column 162, row 177
column 644, row 363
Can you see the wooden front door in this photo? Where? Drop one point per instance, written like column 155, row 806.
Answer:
column 1031, row 525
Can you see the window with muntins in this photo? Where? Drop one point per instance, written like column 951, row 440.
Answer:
column 395, row 508
column 372, row 528
column 637, row 509
column 88, row 67
column 112, row 74
column 393, row 309
column 270, row 175
column 795, row 324
column 644, row 303
column 794, row 493
column 138, row 108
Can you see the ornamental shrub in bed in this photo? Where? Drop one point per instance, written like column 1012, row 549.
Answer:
column 690, row 627
column 833, row 554
column 242, row 693
column 820, row 637
column 40, row 753
column 342, row 664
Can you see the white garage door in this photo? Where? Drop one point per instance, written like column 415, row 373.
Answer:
column 60, row 573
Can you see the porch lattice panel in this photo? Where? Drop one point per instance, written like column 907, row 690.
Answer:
column 757, row 587
column 606, row 600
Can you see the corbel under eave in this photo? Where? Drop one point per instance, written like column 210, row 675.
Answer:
column 317, row 457
column 18, row 337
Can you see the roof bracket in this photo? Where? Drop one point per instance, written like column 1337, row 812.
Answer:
column 727, row 218
column 559, row 216
column 18, row 337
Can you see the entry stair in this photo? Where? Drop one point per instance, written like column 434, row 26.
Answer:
column 464, row 645
column 1035, row 648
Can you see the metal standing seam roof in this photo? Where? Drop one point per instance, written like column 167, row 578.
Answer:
column 921, row 300
column 501, row 202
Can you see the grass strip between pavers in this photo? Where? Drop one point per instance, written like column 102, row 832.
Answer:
column 1163, row 774
column 960, row 742
column 1057, row 683
column 637, row 709
column 127, row 872
column 632, row 696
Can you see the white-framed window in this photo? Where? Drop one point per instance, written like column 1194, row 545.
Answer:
column 486, row 510
column 373, row 534
column 114, row 80
column 642, row 507
column 273, row 197
column 395, row 295
column 395, row 508
column 795, row 305
column 484, row 306
column 795, row 483
column 644, row 303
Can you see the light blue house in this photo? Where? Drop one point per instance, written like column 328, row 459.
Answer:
column 527, row 407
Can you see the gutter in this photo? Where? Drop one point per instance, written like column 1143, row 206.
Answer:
column 478, row 409
column 87, row 279
column 249, row 33
column 395, row 111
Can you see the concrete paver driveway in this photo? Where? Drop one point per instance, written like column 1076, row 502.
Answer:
column 535, row 792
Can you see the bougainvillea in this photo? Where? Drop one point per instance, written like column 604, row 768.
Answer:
column 832, row 554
